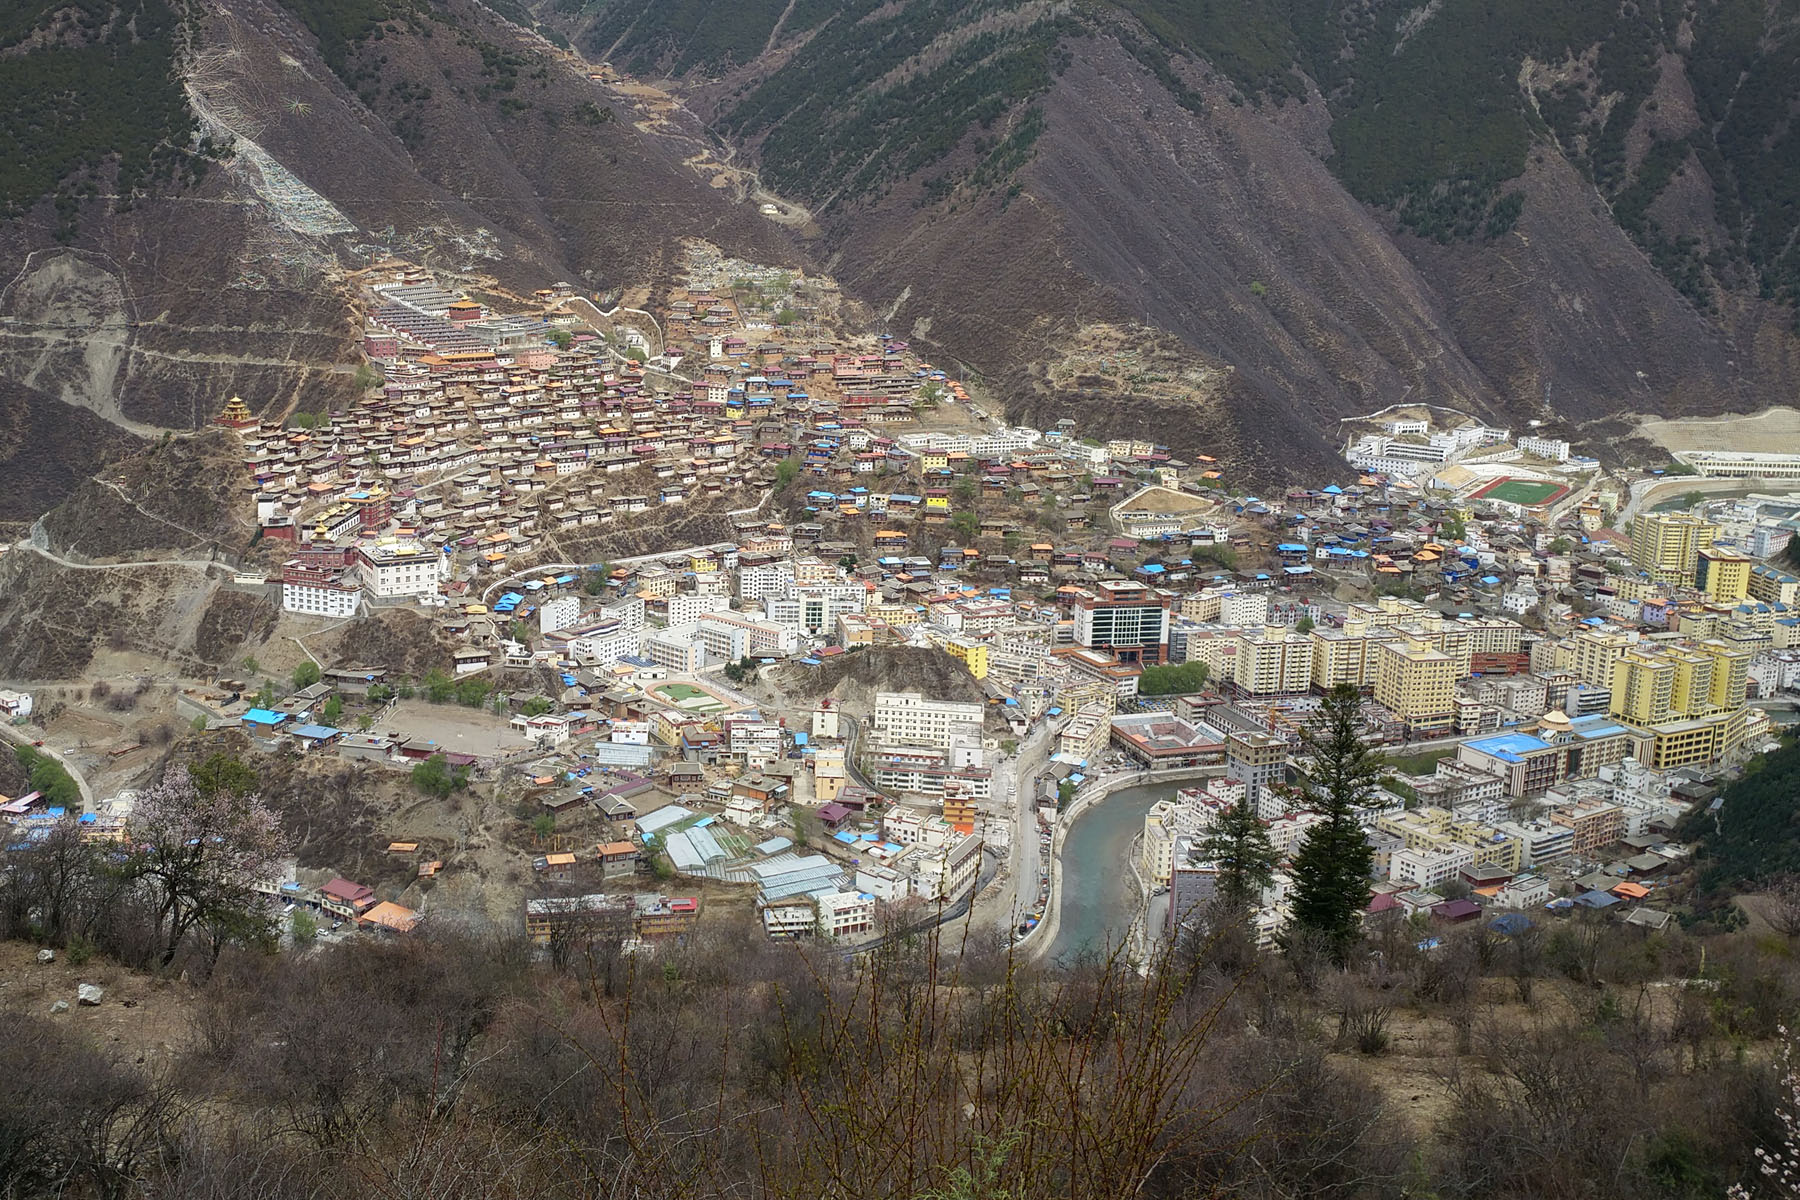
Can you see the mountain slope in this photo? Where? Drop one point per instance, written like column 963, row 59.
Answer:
column 1530, row 210
column 158, row 265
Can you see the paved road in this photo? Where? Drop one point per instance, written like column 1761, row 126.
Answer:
column 191, row 564
column 20, row 737
column 1015, row 798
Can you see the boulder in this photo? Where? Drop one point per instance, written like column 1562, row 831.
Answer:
column 61, row 1006
column 90, row 994
column 46, row 956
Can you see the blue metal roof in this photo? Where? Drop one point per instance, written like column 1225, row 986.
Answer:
column 1508, row 747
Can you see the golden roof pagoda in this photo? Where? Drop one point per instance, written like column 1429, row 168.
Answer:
column 236, row 414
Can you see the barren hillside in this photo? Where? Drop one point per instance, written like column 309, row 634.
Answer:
column 1531, row 212
column 145, row 288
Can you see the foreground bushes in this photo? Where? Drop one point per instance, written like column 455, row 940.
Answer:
column 462, row 1064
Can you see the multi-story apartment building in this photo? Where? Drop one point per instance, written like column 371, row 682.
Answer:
column 1273, row 661
column 684, row 607
column 1667, row 546
column 1592, row 653
column 1418, row 685
column 845, row 914
column 908, row 718
column 763, row 577
column 1723, row 574
column 1684, row 699
column 1258, row 761
column 1594, row 824
column 1426, row 868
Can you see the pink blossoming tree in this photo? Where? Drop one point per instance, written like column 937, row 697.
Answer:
column 203, row 840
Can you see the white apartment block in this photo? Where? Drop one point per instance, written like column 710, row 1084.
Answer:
column 676, row 649
column 1244, row 608
column 559, row 614
column 763, row 580
column 628, row 612
column 1428, row 868
column 815, row 608
column 727, row 636
column 319, row 599
column 607, row 642
column 687, row 607
column 401, row 567
column 907, row 718
column 1554, row 449
column 841, row 914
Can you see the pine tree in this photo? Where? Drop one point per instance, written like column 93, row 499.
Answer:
column 1331, row 870
column 1238, row 845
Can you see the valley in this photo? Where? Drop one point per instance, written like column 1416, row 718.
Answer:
column 934, row 599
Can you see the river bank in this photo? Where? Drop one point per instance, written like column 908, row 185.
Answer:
column 1093, row 899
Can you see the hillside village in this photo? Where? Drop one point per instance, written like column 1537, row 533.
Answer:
column 1560, row 670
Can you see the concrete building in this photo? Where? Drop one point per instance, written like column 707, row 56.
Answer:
column 1258, row 761
column 401, row 567
column 1273, row 661
column 319, row 594
column 908, row 718
column 845, row 914
column 1666, row 546
column 1130, row 620
column 1418, row 685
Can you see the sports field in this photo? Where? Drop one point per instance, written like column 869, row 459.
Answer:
column 1527, row 492
column 689, row 698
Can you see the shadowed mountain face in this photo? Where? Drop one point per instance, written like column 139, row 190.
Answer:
column 1233, row 223
column 1226, row 224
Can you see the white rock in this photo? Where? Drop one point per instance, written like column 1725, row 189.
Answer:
column 61, row 1006
column 46, row 956
column 90, row 994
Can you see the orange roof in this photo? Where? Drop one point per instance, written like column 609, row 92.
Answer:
column 560, row 860
column 1630, row 891
column 617, row 848
column 392, row 916
column 402, row 847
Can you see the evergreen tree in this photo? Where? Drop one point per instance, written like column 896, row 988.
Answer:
column 1239, row 847
column 1331, row 869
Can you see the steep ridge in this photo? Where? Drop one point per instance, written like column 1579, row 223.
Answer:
column 1531, row 211
column 146, row 287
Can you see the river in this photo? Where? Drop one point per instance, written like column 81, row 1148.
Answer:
column 1099, row 895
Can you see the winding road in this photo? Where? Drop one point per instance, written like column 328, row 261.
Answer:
column 14, row 735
